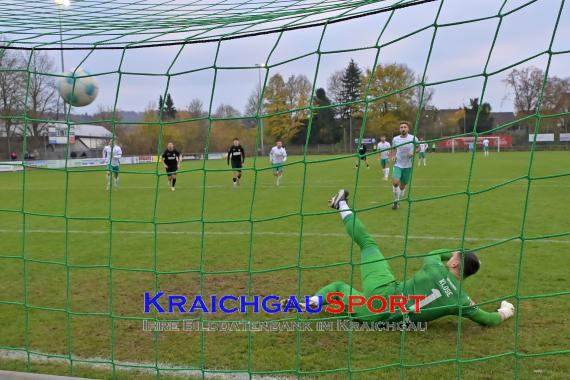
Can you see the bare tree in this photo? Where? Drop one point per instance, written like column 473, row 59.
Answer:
column 42, row 94
column 106, row 117
column 11, row 91
column 423, row 99
column 252, row 108
column 225, row 110
column 526, row 85
column 298, row 93
column 196, row 108
column 335, row 86
column 557, row 95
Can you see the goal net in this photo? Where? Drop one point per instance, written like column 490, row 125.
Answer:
column 76, row 259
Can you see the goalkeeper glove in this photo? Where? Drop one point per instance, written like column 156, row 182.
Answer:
column 507, row 310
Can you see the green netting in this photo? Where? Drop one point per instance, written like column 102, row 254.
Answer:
column 91, row 26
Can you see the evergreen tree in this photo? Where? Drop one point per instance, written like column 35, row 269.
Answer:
column 324, row 125
column 351, row 86
column 160, row 105
column 467, row 123
column 169, row 110
column 350, row 91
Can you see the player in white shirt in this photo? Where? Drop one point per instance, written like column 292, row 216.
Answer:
column 277, row 157
column 113, row 160
column 403, row 150
column 383, row 149
column 486, row 147
column 423, row 152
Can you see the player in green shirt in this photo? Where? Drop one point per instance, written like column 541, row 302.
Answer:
column 439, row 280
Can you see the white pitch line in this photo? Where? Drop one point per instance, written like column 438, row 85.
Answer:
column 263, row 185
column 268, row 233
column 133, row 366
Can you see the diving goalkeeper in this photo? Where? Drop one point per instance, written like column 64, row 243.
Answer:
column 438, row 280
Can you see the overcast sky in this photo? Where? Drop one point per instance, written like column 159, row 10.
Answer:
column 458, row 51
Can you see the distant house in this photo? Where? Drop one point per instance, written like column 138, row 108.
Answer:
column 90, row 137
column 499, row 118
column 85, row 140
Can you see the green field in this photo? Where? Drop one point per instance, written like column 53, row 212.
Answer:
column 80, row 259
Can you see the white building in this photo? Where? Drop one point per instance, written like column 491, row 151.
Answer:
column 85, row 140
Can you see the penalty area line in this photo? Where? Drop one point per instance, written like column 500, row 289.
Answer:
column 270, row 233
column 99, row 363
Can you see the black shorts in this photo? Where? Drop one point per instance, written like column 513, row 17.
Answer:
column 171, row 170
column 236, row 165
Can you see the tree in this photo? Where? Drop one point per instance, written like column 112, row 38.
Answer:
column 394, row 104
column 556, row 96
column 193, row 133
column 324, row 124
column 351, row 91
column 196, row 108
column 424, row 99
column 282, row 126
column 111, row 120
column 252, row 109
column 351, row 87
column 389, row 79
column 11, row 91
column 298, row 90
column 335, row 86
column 106, row 117
column 223, row 131
column 42, row 94
column 226, row 111
column 169, row 110
column 486, row 122
column 166, row 107
column 146, row 136
column 526, row 85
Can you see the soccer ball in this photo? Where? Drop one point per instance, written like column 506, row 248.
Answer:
column 75, row 90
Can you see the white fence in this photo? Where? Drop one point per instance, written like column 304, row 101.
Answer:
column 11, row 166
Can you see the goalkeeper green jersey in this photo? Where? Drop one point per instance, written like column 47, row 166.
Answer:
column 443, row 295
column 441, row 288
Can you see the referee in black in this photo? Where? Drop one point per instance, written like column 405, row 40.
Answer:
column 237, row 155
column 171, row 160
column 362, row 156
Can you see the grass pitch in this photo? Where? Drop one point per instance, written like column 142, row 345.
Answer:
column 75, row 265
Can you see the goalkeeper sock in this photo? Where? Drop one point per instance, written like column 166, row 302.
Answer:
column 173, row 182
column 234, row 179
column 344, row 209
column 402, row 192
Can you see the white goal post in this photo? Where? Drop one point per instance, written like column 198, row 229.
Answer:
column 462, row 143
